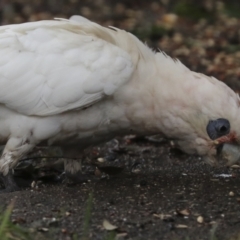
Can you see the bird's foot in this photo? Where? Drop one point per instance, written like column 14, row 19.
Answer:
column 9, row 183
column 76, row 178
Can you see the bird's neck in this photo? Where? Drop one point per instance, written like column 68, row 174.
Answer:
column 149, row 97
column 166, row 97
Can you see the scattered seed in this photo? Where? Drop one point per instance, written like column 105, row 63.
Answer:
column 121, row 235
column 181, row 226
column 162, row 216
column 33, row 184
column 235, row 166
column 43, row 229
column 101, row 160
column 184, row 212
column 67, row 214
column 200, row 219
column 39, row 205
column 231, row 194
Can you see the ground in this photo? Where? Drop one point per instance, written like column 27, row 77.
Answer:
column 159, row 192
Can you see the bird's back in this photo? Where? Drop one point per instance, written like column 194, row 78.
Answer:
column 58, row 66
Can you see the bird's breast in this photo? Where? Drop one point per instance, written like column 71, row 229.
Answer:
column 93, row 125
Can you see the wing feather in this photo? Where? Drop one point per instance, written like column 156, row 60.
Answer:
column 53, row 67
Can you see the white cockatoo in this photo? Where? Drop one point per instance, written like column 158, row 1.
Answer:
column 73, row 83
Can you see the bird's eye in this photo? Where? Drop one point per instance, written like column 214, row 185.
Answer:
column 218, row 128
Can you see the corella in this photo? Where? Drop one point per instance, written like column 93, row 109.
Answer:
column 73, row 83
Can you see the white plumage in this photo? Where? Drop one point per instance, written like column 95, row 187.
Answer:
column 74, row 83
column 54, row 67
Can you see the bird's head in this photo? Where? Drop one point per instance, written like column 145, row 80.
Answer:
column 219, row 140
column 207, row 119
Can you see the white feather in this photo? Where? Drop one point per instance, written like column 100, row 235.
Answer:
column 79, row 19
column 63, row 71
column 73, row 82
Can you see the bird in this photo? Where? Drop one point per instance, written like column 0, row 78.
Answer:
column 74, row 83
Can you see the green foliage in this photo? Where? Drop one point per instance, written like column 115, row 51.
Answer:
column 87, row 217
column 192, row 11
column 111, row 235
column 155, row 32
column 158, row 31
column 232, row 48
column 213, row 232
column 86, row 222
column 10, row 231
column 232, row 10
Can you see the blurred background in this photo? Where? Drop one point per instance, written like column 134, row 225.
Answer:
column 204, row 35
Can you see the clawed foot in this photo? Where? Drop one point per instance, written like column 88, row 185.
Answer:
column 9, row 183
column 77, row 178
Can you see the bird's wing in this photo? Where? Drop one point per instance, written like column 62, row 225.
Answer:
column 50, row 67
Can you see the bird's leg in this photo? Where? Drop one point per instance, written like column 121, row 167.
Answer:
column 73, row 164
column 13, row 151
column 73, row 171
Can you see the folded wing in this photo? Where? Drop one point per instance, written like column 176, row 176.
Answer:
column 50, row 67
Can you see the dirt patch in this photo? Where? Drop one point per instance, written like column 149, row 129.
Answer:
column 163, row 200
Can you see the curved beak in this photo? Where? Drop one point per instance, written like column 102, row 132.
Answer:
column 230, row 153
column 227, row 148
